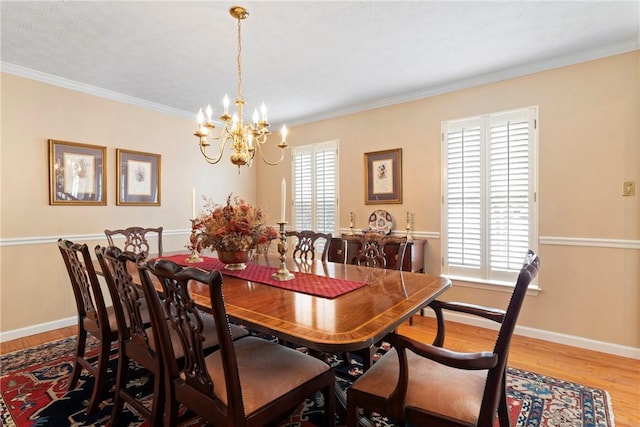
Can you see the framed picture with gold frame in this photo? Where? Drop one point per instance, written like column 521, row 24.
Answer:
column 383, row 177
column 138, row 178
column 77, row 173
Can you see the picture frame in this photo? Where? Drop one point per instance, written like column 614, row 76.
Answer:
column 77, row 173
column 138, row 177
column 383, row 177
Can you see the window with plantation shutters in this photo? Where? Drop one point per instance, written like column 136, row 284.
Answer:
column 489, row 191
column 315, row 185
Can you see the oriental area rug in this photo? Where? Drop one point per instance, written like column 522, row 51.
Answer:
column 34, row 382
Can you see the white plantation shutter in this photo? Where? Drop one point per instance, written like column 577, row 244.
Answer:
column 509, row 195
column 488, row 194
column 326, row 171
column 315, row 181
column 302, row 185
column 464, row 206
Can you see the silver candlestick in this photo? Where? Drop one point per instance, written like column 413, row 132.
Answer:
column 409, row 238
column 282, row 274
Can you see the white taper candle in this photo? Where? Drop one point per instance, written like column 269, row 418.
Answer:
column 283, row 202
column 193, row 203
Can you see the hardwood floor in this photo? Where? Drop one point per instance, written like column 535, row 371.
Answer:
column 620, row 376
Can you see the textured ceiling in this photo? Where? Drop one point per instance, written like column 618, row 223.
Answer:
column 308, row 59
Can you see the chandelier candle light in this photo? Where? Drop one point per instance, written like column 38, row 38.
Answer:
column 282, row 273
column 244, row 138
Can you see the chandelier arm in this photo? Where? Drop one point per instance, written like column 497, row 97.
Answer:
column 267, row 161
column 223, row 144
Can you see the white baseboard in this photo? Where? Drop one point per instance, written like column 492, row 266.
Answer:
column 37, row 329
column 555, row 337
column 589, row 344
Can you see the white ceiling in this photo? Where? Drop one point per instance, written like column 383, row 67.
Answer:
column 306, row 60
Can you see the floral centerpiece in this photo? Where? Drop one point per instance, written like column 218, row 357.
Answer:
column 233, row 229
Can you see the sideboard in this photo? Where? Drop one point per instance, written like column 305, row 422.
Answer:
column 413, row 257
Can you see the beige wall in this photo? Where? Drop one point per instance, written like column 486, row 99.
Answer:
column 34, row 288
column 588, row 145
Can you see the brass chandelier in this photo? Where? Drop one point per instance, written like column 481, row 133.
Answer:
column 244, row 138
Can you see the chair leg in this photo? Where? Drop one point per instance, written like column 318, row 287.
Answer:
column 329, row 405
column 100, row 376
column 170, row 404
column 503, row 407
column 157, row 406
column 346, row 358
column 352, row 418
column 121, row 381
column 77, row 367
column 352, row 413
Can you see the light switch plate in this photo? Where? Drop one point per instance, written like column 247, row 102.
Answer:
column 629, row 188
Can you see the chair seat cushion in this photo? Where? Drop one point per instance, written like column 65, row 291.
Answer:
column 210, row 335
column 267, row 371
column 433, row 388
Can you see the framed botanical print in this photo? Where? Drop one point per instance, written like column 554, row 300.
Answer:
column 77, row 173
column 383, row 176
column 138, row 178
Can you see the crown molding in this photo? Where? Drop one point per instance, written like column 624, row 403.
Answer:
column 574, row 58
column 563, row 61
column 54, row 80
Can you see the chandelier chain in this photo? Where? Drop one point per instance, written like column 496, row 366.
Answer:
column 238, row 59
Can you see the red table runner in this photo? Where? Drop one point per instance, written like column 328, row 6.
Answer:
column 322, row 286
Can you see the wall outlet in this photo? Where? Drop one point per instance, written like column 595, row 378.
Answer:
column 629, row 188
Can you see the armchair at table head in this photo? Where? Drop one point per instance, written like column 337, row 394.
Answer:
column 430, row 385
column 250, row 381
column 94, row 317
column 136, row 239
column 374, row 250
column 307, row 242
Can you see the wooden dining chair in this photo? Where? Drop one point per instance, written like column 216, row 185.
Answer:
column 374, row 250
column 424, row 384
column 94, row 317
column 136, row 239
column 136, row 340
column 307, row 242
column 248, row 382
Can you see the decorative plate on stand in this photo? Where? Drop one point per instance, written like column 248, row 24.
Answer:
column 380, row 221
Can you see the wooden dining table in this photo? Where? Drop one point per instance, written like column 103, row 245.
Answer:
column 350, row 322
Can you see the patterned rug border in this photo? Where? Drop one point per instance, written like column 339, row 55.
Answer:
column 596, row 409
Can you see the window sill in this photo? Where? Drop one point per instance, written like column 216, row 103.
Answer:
column 491, row 285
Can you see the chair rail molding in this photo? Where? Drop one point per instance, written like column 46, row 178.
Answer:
column 590, row 242
column 40, row 240
column 544, row 240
